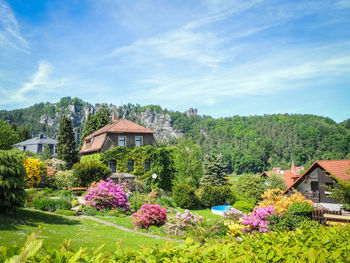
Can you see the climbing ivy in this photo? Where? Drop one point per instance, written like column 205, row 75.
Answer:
column 161, row 162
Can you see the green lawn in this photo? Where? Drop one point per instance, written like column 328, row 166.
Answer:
column 14, row 230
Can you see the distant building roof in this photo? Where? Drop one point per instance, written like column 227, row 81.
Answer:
column 120, row 126
column 289, row 175
column 41, row 139
column 339, row 168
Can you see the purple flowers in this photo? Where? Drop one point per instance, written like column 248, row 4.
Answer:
column 149, row 215
column 258, row 219
column 107, row 195
column 181, row 223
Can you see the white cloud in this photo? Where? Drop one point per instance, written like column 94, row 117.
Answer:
column 11, row 33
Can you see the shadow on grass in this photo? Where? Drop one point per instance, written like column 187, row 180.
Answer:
column 32, row 218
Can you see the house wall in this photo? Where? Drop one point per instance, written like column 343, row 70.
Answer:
column 306, row 184
column 323, row 179
column 112, row 140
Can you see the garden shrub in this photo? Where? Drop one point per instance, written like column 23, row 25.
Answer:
column 149, row 215
column 286, row 222
column 75, row 203
column 12, row 184
column 320, row 244
column 184, row 196
column 281, row 202
column 233, row 214
column 89, row 172
column 301, row 209
column 66, row 212
column 48, row 204
column 35, row 170
column 258, row 220
column 244, row 206
column 65, row 179
column 181, row 223
column 249, row 187
column 215, row 195
column 107, row 195
column 137, row 200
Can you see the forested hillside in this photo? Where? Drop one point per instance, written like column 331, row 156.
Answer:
column 249, row 144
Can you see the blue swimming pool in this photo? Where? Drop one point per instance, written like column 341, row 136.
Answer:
column 220, row 209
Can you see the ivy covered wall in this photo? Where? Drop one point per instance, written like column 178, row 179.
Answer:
column 161, row 159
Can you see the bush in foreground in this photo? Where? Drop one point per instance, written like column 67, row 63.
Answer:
column 149, row 215
column 308, row 244
column 12, row 173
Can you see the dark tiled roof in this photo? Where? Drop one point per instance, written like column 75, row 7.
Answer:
column 37, row 140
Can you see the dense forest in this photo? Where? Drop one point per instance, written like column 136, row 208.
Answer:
column 249, row 144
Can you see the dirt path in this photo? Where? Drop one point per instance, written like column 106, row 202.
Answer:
column 129, row 230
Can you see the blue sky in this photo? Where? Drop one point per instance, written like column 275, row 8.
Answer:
column 223, row 57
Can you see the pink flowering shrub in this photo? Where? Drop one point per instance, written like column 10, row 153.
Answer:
column 257, row 220
column 181, row 223
column 107, row 195
column 149, row 215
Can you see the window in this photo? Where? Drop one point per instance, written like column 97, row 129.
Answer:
column 147, row 165
column 130, row 165
column 138, row 141
column 121, row 141
column 113, row 166
column 40, row 148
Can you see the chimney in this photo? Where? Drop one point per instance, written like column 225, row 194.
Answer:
column 114, row 118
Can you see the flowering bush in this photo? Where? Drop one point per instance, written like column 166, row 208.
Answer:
column 179, row 224
column 65, row 179
column 235, row 228
column 233, row 214
column 35, row 169
column 107, row 195
column 257, row 220
column 149, row 215
column 281, row 202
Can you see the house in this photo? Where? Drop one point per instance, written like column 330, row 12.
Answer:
column 290, row 176
column 313, row 183
column 120, row 132
column 37, row 145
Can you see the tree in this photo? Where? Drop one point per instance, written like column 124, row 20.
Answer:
column 214, row 170
column 275, row 181
column 95, row 122
column 46, row 153
column 8, row 136
column 66, row 143
column 12, row 173
column 341, row 191
column 188, row 163
column 249, row 187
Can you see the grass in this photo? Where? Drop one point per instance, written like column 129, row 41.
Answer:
column 122, row 221
column 86, row 233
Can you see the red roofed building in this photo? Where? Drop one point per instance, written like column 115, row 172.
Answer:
column 312, row 183
column 290, row 176
column 121, row 132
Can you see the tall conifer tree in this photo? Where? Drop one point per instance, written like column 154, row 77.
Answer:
column 66, row 146
column 214, row 170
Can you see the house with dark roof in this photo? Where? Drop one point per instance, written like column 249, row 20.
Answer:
column 290, row 176
column 121, row 132
column 37, row 145
column 316, row 180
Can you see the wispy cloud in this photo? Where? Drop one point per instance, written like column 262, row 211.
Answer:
column 10, row 32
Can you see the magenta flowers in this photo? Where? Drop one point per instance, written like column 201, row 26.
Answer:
column 149, row 215
column 107, row 195
column 257, row 220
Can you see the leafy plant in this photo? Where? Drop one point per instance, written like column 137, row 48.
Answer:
column 184, row 196
column 215, row 195
column 65, row 179
column 92, row 171
column 249, row 187
column 181, row 223
column 12, row 184
column 65, row 212
column 48, row 204
column 244, row 206
column 149, row 215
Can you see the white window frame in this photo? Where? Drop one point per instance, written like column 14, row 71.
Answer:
column 141, row 141
column 119, row 137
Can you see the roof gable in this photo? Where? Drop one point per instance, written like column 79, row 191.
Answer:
column 120, row 126
column 339, row 168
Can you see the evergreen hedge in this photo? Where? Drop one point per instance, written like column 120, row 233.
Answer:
column 12, row 184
